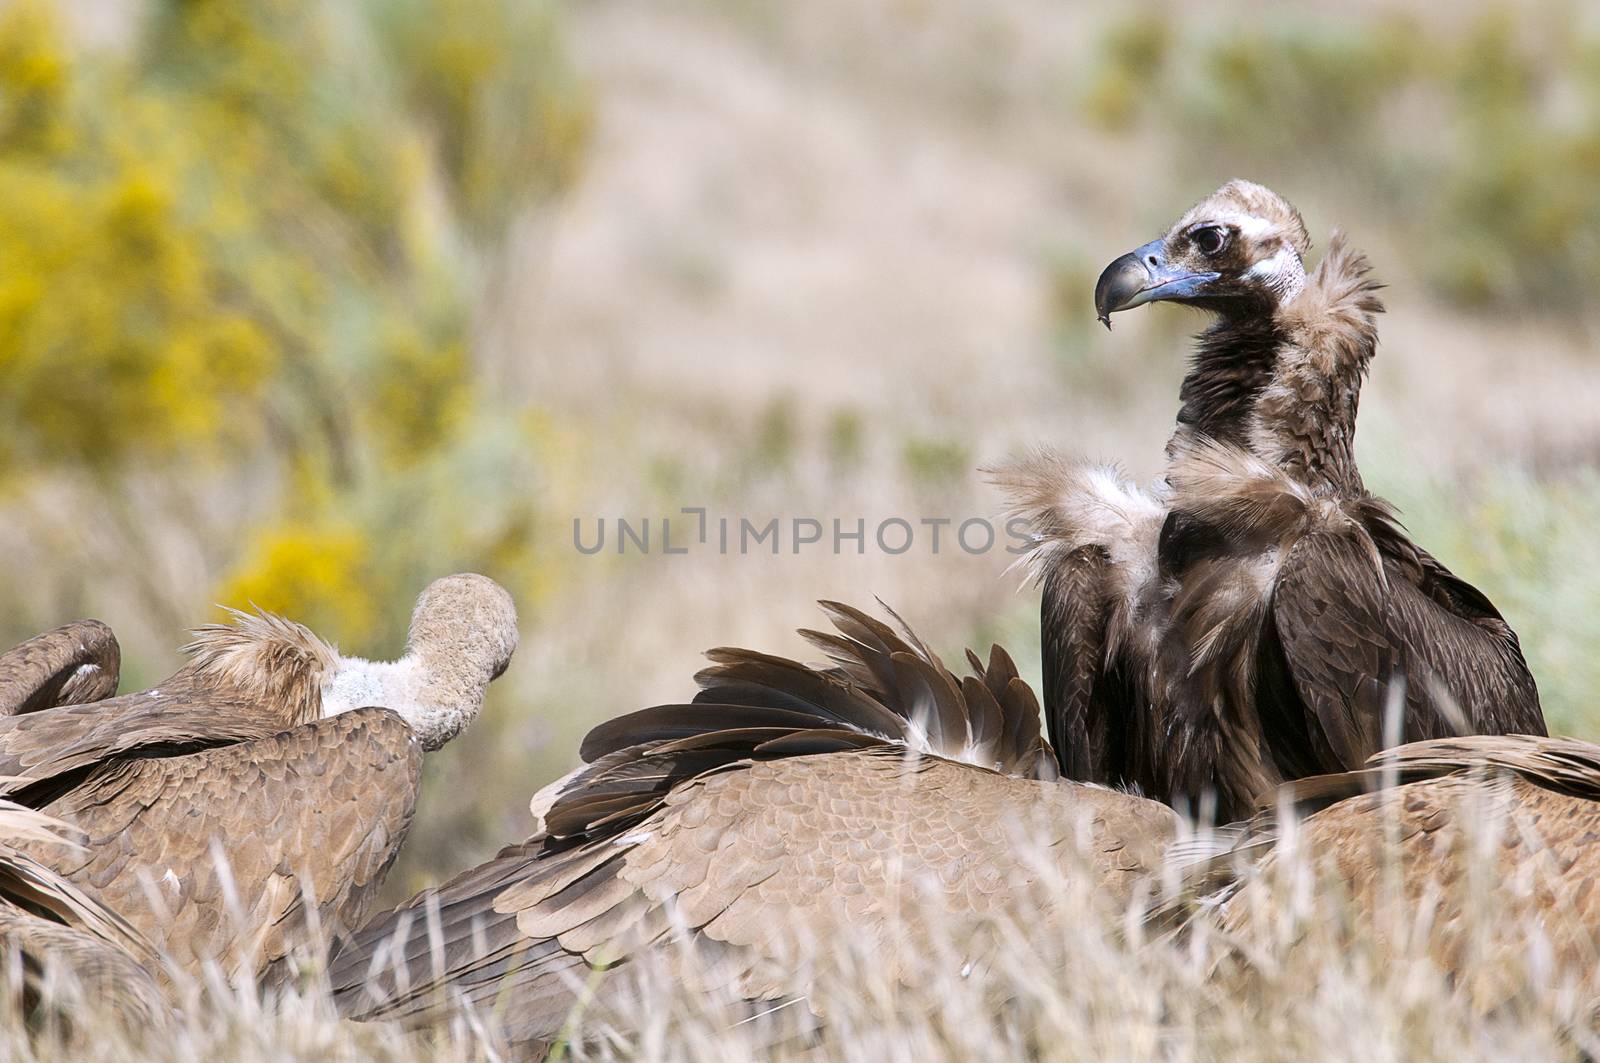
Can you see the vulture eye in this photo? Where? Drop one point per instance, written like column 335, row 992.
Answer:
column 1210, row 239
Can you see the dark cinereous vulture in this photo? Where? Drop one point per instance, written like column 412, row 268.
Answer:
column 786, row 801
column 1243, row 620
column 267, row 770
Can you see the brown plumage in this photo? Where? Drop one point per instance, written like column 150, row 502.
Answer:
column 790, row 803
column 784, row 804
column 75, row 663
column 216, row 803
column 250, row 680
column 1245, row 619
column 1482, row 849
column 49, row 928
column 317, row 811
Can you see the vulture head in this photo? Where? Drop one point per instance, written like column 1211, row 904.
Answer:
column 1239, row 250
column 463, row 633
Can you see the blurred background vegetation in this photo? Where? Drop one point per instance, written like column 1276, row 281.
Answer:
column 303, row 304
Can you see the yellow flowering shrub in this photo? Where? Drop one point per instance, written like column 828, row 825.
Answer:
column 244, row 249
column 115, row 334
column 318, row 574
column 33, row 80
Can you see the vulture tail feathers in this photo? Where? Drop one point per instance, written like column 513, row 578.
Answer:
column 882, row 688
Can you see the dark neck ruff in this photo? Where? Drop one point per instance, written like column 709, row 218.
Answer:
column 1233, row 361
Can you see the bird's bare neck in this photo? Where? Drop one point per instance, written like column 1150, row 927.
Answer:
column 1285, row 385
column 1232, row 365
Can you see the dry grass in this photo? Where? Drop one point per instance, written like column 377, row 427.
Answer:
column 1313, row 977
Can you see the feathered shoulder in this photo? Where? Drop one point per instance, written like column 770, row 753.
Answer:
column 1067, row 503
column 265, row 657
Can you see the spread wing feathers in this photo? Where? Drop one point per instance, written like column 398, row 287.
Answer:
column 767, row 805
column 742, row 866
column 1516, row 811
column 1354, row 615
column 989, row 718
column 75, row 663
column 213, row 855
column 48, row 923
column 459, row 945
column 1563, row 765
column 246, row 680
column 890, row 685
column 882, row 688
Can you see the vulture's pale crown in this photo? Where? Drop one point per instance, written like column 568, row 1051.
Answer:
column 1241, row 249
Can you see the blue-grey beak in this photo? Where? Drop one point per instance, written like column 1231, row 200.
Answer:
column 1143, row 276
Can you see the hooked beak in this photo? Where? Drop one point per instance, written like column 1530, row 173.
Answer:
column 1143, row 276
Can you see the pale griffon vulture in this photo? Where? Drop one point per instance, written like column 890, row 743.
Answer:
column 790, row 804
column 269, row 769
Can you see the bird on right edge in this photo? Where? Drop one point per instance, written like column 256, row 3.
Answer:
column 1251, row 616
